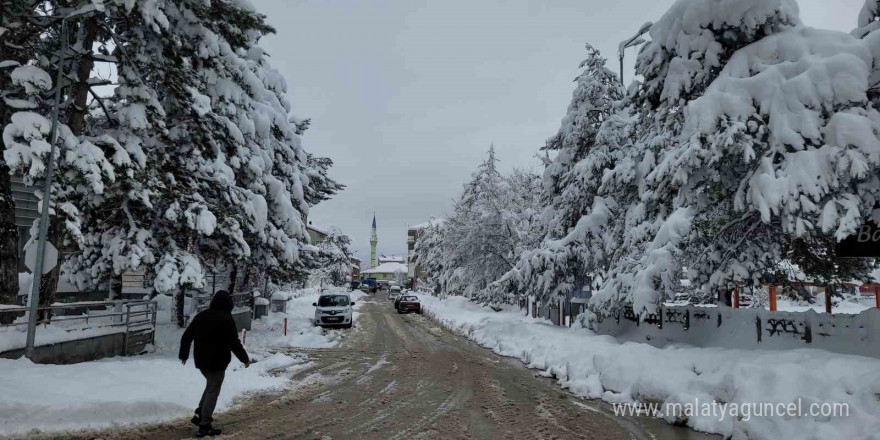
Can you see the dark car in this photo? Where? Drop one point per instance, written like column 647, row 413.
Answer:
column 409, row 303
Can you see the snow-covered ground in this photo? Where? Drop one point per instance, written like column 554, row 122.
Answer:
column 845, row 307
column 153, row 387
column 599, row 367
column 848, row 307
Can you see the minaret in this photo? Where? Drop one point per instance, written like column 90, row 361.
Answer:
column 374, row 240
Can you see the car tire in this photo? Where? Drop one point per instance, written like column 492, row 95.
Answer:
column 348, row 325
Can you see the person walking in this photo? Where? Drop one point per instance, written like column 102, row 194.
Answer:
column 215, row 336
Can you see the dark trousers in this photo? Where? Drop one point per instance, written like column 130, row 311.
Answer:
column 214, row 380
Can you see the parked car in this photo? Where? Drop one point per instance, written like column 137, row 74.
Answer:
column 394, row 293
column 334, row 309
column 409, row 303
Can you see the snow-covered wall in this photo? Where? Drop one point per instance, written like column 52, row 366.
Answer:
column 747, row 328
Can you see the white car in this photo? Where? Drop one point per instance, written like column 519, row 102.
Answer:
column 334, row 309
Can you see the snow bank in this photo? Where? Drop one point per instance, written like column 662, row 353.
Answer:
column 12, row 338
column 123, row 390
column 154, row 387
column 301, row 331
column 601, row 367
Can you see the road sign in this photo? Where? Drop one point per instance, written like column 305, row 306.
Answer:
column 865, row 243
column 49, row 260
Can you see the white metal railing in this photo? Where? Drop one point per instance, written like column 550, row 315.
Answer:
column 135, row 318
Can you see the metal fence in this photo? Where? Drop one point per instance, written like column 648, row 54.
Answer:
column 136, row 319
column 239, row 300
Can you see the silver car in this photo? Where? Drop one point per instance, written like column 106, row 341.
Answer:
column 334, row 310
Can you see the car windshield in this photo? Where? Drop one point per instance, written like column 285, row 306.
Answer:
column 410, row 298
column 333, row 301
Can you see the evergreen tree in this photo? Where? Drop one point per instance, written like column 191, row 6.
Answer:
column 493, row 220
column 722, row 137
column 334, row 258
column 194, row 157
column 570, row 184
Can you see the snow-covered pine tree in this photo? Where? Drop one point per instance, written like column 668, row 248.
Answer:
column 196, row 158
column 570, row 184
column 868, row 22
column 493, row 219
column 334, row 258
column 429, row 255
column 724, row 143
column 85, row 161
column 18, row 38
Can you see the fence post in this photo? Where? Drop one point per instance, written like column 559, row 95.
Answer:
column 735, row 298
column 125, row 338
column 877, row 296
column 243, row 336
column 772, row 294
column 285, row 326
column 828, row 299
column 155, row 308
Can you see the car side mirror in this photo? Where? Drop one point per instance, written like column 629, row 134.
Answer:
column 315, row 304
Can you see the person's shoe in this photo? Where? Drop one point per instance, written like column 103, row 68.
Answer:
column 207, row 431
column 196, row 420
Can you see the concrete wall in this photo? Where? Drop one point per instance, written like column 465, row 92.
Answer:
column 747, row 328
column 72, row 352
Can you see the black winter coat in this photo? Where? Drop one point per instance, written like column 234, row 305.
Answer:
column 215, row 336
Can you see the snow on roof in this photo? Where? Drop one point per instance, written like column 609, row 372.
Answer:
column 388, row 268
column 391, row 258
column 320, row 231
column 434, row 222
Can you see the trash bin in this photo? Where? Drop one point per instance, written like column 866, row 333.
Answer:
column 261, row 308
column 279, row 302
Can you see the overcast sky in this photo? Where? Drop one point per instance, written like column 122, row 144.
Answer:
column 405, row 96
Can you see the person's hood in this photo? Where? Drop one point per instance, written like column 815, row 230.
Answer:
column 222, row 301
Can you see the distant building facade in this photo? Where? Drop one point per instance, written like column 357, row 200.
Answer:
column 316, row 235
column 385, row 273
column 355, row 268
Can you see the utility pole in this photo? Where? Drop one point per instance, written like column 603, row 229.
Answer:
column 34, row 300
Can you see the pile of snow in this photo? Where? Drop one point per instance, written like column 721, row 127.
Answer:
column 154, row 387
column 15, row 337
column 268, row 332
column 124, row 390
column 599, row 367
column 843, row 307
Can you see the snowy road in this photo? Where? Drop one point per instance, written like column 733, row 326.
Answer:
column 403, row 377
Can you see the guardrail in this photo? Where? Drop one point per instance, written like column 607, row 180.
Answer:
column 136, row 319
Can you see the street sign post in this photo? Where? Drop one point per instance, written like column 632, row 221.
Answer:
column 50, row 258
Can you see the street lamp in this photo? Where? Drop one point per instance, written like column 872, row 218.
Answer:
column 34, row 300
column 635, row 40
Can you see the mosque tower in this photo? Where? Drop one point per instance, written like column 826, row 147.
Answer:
column 374, row 240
